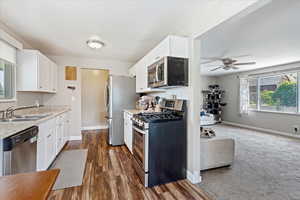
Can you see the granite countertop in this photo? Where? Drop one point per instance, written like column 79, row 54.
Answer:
column 10, row 128
column 133, row 111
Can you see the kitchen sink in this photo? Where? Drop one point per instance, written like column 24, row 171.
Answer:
column 19, row 119
column 25, row 118
column 38, row 116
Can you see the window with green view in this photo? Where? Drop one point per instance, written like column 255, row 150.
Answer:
column 7, row 80
column 277, row 93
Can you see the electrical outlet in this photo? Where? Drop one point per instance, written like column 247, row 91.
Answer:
column 296, row 129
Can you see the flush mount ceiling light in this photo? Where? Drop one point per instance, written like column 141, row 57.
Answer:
column 95, row 43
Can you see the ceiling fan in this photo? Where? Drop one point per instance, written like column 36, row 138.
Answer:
column 228, row 62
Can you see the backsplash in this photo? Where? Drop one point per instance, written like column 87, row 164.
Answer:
column 183, row 92
column 23, row 98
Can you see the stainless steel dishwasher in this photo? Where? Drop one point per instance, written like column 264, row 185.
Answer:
column 19, row 152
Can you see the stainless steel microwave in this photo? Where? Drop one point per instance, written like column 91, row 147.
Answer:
column 168, row 72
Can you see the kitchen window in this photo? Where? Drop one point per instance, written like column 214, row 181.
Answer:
column 253, row 94
column 7, row 72
column 274, row 93
column 7, row 80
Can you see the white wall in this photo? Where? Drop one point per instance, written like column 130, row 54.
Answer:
column 66, row 96
column 215, row 12
column 23, row 98
column 15, row 35
column 93, row 86
column 274, row 121
column 256, row 34
column 183, row 92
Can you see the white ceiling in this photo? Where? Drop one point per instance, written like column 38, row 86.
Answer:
column 130, row 28
column 270, row 35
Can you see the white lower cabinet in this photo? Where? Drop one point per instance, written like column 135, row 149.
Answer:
column 50, row 144
column 59, row 133
column 52, row 137
column 128, row 130
column 41, row 147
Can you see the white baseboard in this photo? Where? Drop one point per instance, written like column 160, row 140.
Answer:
column 194, row 177
column 75, row 138
column 88, row 128
column 262, row 129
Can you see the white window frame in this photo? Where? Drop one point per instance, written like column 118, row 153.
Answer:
column 258, row 78
column 257, row 106
column 14, row 98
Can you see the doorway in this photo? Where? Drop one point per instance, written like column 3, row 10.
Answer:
column 93, row 106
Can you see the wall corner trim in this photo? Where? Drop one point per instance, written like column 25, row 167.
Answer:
column 270, row 131
column 194, row 177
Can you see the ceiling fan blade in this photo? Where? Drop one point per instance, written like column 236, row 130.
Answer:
column 240, row 56
column 207, row 62
column 246, row 63
column 212, row 58
column 215, row 69
column 235, row 68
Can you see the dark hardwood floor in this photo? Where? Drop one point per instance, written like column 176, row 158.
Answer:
column 110, row 176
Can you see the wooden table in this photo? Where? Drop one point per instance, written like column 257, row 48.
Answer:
column 33, row 186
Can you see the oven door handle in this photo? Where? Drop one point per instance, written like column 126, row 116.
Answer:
column 140, row 131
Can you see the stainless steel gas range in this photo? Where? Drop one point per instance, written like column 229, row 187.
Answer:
column 160, row 144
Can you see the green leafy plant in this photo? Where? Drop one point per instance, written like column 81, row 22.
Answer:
column 285, row 94
column 267, row 97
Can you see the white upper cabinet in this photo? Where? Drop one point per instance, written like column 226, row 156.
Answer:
column 53, row 77
column 35, row 72
column 174, row 46
column 43, row 75
column 141, row 76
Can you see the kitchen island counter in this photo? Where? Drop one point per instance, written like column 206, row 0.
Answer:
column 35, row 185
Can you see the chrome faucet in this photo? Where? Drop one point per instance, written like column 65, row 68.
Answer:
column 9, row 112
column 5, row 113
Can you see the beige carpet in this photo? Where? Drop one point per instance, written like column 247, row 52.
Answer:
column 71, row 164
column 266, row 167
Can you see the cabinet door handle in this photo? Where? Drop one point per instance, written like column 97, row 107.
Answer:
column 48, row 135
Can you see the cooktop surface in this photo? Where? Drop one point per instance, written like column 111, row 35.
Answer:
column 157, row 117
